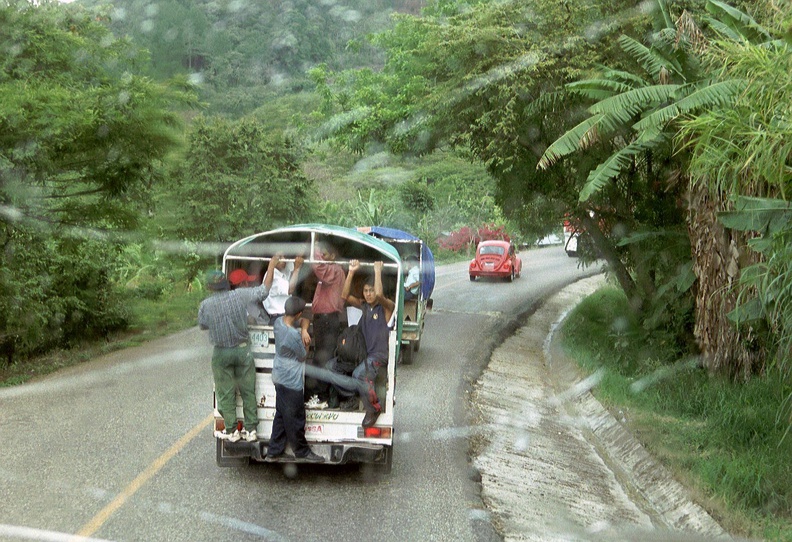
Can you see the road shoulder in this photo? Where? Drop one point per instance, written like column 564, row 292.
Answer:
column 554, row 463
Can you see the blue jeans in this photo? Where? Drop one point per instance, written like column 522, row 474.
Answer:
column 361, row 382
column 289, row 423
column 368, row 369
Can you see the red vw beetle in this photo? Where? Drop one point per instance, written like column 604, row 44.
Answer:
column 495, row 259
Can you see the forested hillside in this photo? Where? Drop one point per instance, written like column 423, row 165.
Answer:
column 241, row 52
column 522, row 113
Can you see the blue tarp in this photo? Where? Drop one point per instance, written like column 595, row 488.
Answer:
column 427, row 259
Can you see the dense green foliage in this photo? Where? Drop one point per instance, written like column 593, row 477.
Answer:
column 492, row 80
column 517, row 87
column 575, row 122
column 393, row 191
column 234, row 180
column 728, row 436
column 82, row 136
column 87, row 152
column 743, row 153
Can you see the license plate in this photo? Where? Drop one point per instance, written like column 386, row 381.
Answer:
column 259, row 338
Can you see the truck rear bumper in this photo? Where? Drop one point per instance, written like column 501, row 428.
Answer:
column 334, row 453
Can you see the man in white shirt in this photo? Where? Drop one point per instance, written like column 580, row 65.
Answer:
column 277, row 280
column 413, row 280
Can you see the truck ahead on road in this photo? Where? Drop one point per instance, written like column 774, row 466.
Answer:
column 335, row 434
column 414, row 309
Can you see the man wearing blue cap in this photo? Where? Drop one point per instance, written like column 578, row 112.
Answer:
column 224, row 315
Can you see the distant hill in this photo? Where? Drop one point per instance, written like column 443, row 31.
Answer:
column 237, row 48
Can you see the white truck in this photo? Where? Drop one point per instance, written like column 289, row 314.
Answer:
column 335, row 434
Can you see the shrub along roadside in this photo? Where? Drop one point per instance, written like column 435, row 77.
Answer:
column 727, row 442
column 148, row 319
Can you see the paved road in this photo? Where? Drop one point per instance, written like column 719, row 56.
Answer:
column 120, row 448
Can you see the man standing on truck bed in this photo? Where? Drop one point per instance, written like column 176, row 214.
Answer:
column 278, row 280
column 224, row 315
column 374, row 323
column 326, row 308
column 288, row 370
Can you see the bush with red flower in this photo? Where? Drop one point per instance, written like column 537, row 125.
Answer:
column 465, row 238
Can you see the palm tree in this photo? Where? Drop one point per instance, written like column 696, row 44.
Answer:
column 743, row 153
column 638, row 115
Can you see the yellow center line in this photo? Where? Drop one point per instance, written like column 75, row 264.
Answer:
column 99, row 519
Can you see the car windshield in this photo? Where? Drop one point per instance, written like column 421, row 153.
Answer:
column 599, row 198
column 499, row 250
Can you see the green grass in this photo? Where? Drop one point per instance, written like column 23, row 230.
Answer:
column 726, row 441
column 149, row 319
column 155, row 318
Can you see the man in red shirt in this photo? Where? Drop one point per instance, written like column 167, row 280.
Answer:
column 327, row 307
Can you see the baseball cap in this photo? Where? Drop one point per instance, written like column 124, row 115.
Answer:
column 237, row 277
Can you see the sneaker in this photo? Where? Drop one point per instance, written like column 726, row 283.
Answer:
column 312, row 458
column 315, row 402
column 370, row 418
column 249, row 436
column 230, row 437
column 349, row 404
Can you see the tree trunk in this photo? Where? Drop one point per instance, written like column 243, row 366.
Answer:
column 726, row 348
column 606, row 250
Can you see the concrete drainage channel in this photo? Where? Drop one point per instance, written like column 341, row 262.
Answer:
column 556, row 465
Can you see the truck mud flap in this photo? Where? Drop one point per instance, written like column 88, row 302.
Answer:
column 253, row 450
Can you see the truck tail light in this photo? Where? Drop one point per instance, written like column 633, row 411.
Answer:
column 378, row 432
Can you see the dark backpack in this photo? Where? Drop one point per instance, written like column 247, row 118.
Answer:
column 351, row 347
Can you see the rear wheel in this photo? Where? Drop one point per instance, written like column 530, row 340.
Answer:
column 472, row 278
